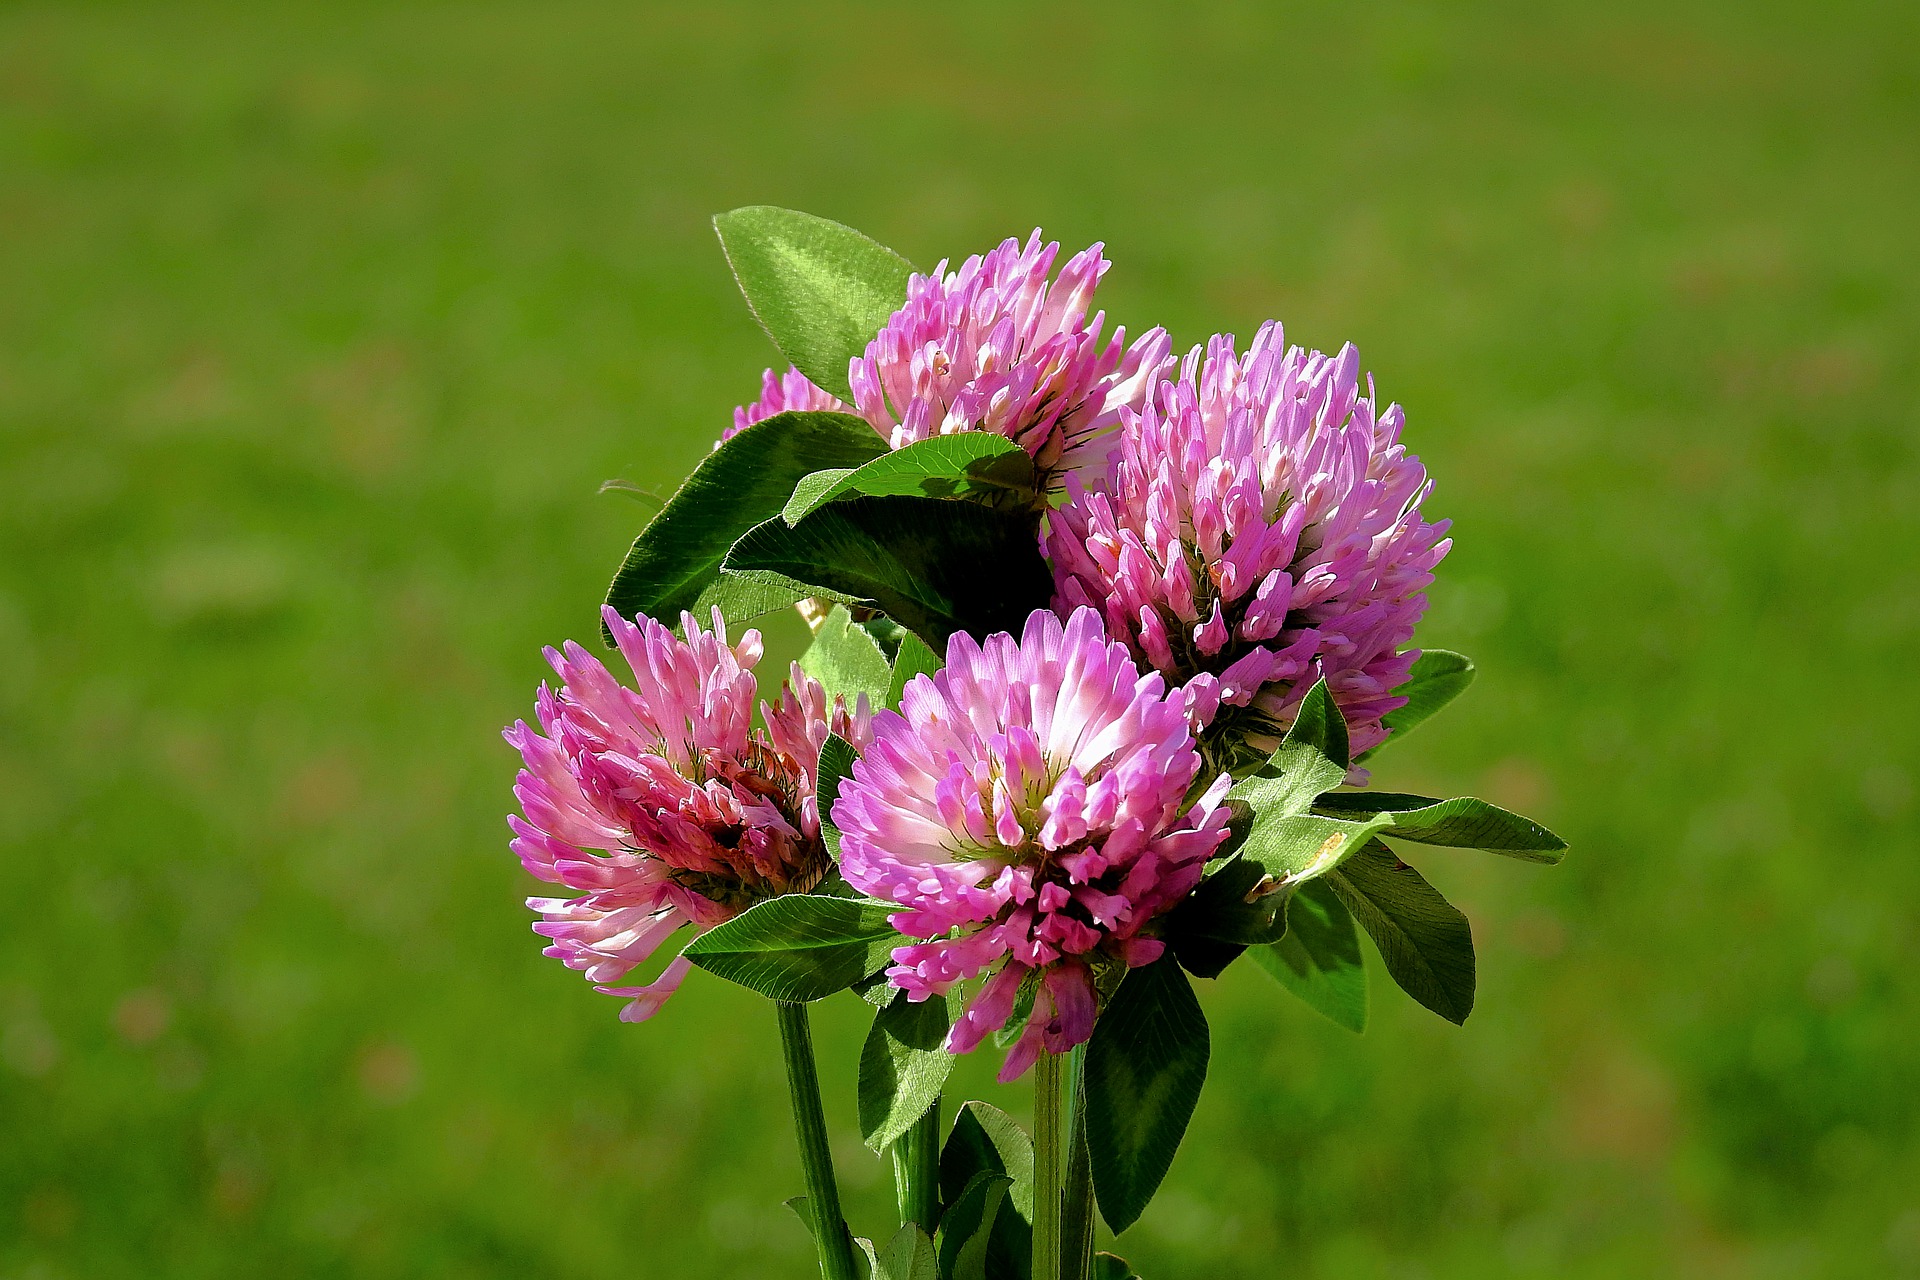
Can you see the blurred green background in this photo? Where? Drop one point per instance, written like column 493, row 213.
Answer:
column 319, row 327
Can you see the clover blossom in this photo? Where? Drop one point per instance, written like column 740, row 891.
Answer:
column 1258, row 528
column 663, row 803
column 782, row 393
column 993, row 346
column 1026, row 809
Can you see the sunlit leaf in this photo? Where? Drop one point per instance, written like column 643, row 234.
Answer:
column 902, row 1067
column 1461, row 823
column 821, row 290
column 981, row 464
column 846, row 660
column 798, row 946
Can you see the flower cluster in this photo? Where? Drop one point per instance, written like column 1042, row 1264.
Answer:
column 1236, row 525
column 995, row 347
column 1026, row 809
column 1259, row 528
column 663, row 804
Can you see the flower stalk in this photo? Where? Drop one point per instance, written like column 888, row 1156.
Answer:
column 916, row 1171
column 1076, row 1211
column 1048, row 1168
column 830, row 1235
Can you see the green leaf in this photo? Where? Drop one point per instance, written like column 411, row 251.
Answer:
column 741, row 599
column 836, row 763
column 935, row 567
column 967, row 1228
column 1145, row 1066
column 902, row 1067
column 740, row 484
column 1437, row 678
column 980, row 464
column 1311, row 760
column 985, row 1139
column 908, row 1256
column 1426, row 943
column 1460, row 823
column 1107, row 1267
column 1319, row 958
column 846, row 660
column 1296, row 847
column 798, row 946
column 914, row 659
column 821, row 290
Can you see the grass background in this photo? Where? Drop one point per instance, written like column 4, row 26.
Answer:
column 319, row 326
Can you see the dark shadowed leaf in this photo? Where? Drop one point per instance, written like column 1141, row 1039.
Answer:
column 1108, row 1267
column 1223, row 917
column 1319, row 958
column 981, row 464
column 846, row 659
column 1461, row 823
column 740, row 484
column 985, row 1139
column 821, row 290
column 1426, row 943
column 1144, row 1070
column 798, row 946
column 935, row 567
column 967, row 1227
column 902, row 1067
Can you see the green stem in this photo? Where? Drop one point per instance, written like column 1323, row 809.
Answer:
column 830, row 1235
column 916, row 1170
column 1076, row 1214
column 1047, row 1167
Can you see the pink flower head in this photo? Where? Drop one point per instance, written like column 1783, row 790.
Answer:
column 1025, row 808
column 782, row 393
column 1258, row 529
column 663, row 803
column 994, row 347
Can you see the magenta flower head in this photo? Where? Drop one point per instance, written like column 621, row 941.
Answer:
column 663, row 803
column 995, row 347
column 1258, row 529
column 787, row 392
column 1026, row 809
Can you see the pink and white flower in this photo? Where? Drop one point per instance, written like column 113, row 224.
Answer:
column 662, row 803
column 1258, row 529
column 995, row 347
column 1026, row 810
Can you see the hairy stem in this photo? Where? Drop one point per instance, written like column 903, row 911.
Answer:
column 1047, row 1167
column 1076, row 1213
column 916, row 1170
column 830, row 1235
